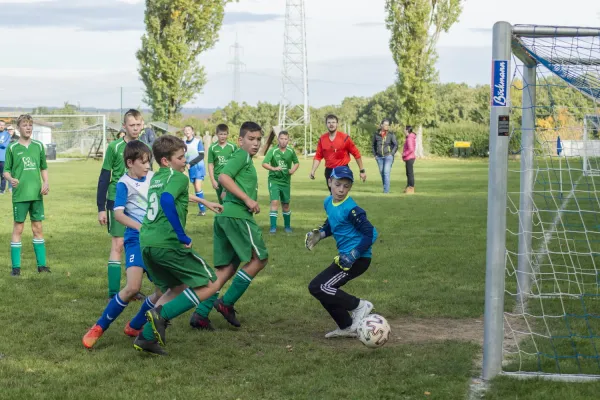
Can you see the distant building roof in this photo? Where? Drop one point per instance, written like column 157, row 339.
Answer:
column 163, row 126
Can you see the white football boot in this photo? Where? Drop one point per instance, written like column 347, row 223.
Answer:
column 364, row 308
column 348, row 332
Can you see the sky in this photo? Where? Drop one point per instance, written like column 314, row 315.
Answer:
column 83, row 51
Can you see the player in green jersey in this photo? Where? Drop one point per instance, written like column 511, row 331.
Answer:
column 25, row 163
column 166, row 249
column 218, row 154
column 282, row 162
column 113, row 168
column 237, row 237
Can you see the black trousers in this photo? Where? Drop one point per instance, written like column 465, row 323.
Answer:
column 410, row 173
column 2, row 180
column 325, row 287
column 328, row 172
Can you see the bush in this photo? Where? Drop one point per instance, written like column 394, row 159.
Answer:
column 441, row 139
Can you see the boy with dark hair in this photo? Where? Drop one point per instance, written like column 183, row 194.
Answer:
column 354, row 236
column 130, row 208
column 113, row 168
column 282, row 162
column 237, row 237
column 194, row 156
column 25, row 164
column 218, row 155
column 167, row 250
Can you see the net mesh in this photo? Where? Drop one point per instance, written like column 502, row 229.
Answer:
column 68, row 136
column 556, row 329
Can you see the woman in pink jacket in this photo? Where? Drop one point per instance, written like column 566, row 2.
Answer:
column 408, row 155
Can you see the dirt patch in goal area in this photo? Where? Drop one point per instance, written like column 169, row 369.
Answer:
column 420, row 330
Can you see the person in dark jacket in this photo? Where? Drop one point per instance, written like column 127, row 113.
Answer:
column 385, row 147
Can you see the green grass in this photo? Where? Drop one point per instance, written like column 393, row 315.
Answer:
column 429, row 264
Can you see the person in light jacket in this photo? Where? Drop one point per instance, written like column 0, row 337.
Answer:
column 408, row 155
column 385, row 147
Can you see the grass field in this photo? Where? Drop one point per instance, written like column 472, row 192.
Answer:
column 427, row 278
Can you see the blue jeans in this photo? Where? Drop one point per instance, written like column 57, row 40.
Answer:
column 385, row 169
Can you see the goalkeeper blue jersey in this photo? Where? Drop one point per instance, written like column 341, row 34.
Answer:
column 343, row 219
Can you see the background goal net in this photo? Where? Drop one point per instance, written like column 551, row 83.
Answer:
column 68, row 136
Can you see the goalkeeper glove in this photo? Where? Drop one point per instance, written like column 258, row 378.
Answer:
column 312, row 238
column 345, row 261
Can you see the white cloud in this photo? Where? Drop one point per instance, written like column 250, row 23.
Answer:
column 347, row 43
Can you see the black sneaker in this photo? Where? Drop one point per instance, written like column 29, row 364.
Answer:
column 202, row 214
column 43, row 269
column 228, row 312
column 15, row 272
column 148, row 346
column 199, row 322
column 158, row 324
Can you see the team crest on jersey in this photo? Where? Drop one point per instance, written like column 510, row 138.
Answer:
column 29, row 163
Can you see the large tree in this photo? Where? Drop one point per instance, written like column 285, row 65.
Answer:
column 415, row 27
column 177, row 31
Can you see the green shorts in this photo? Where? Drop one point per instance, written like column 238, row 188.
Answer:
column 235, row 240
column 279, row 192
column 34, row 208
column 115, row 228
column 169, row 268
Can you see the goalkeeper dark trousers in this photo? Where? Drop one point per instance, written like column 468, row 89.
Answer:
column 325, row 287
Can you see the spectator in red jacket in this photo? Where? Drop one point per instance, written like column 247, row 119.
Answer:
column 335, row 147
column 408, row 155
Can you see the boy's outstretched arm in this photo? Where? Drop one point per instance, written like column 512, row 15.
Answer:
column 215, row 207
column 229, row 184
column 313, row 237
column 167, row 203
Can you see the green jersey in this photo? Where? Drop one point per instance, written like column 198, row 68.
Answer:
column 113, row 162
column 284, row 159
column 241, row 169
column 218, row 156
column 25, row 163
column 156, row 230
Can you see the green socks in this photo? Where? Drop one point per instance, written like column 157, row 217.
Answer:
column 39, row 247
column 15, row 254
column 180, row 304
column 239, row 285
column 204, row 308
column 114, row 277
column 273, row 219
column 287, row 218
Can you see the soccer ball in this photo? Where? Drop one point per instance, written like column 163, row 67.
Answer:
column 373, row 331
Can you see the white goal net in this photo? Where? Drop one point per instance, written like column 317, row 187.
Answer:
column 550, row 313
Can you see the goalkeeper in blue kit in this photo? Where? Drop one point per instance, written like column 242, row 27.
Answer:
column 354, row 236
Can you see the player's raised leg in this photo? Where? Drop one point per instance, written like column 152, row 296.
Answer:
column 325, row 287
column 115, row 306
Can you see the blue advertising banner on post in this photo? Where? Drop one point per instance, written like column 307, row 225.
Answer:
column 500, row 83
